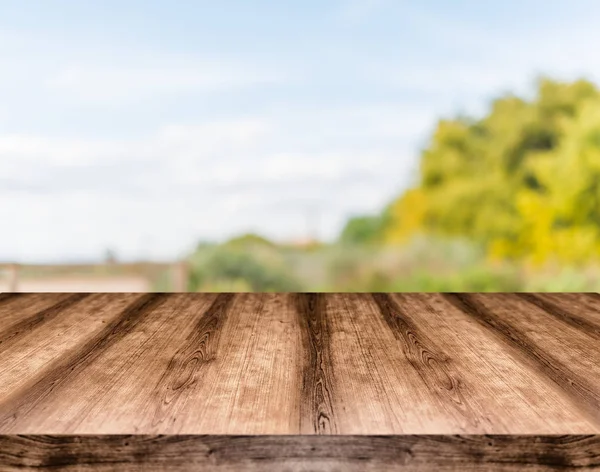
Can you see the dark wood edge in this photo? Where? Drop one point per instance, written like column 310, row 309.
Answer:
column 281, row 452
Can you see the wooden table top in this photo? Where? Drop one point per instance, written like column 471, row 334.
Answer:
column 300, row 364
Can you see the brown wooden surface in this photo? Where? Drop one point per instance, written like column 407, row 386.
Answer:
column 348, row 453
column 350, row 366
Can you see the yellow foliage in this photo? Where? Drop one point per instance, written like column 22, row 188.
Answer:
column 407, row 216
column 523, row 180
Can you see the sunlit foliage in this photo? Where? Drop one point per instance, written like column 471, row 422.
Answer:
column 523, row 180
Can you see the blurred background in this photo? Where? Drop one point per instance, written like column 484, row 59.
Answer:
column 341, row 145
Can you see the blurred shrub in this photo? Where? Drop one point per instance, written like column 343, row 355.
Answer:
column 472, row 279
column 362, row 230
column 563, row 279
column 234, row 266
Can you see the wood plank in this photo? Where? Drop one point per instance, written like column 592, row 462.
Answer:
column 316, row 401
column 455, row 354
column 134, row 403
column 17, row 307
column 24, row 401
column 267, row 395
column 251, row 387
column 378, row 389
column 583, row 306
column 506, row 453
column 116, row 387
column 190, row 371
column 581, row 320
column 55, row 331
column 565, row 355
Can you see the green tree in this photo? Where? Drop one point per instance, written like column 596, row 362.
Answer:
column 522, row 180
column 362, row 230
column 227, row 266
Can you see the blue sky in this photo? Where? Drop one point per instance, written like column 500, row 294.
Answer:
column 146, row 126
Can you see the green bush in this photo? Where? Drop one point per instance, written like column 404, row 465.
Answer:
column 473, row 279
column 227, row 266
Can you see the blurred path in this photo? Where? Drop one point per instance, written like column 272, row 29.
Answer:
column 81, row 284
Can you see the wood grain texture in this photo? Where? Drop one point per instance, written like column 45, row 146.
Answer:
column 316, row 401
column 300, row 453
column 188, row 364
column 579, row 320
column 576, row 374
column 260, row 378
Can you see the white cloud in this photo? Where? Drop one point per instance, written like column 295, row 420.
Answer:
column 24, row 148
column 186, row 181
column 124, row 82
column 215, row 136
column 226, row 153
column 324, row 165
column 174, row 154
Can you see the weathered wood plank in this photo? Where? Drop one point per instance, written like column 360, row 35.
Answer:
column 317, row 399
column 568, row 358
column 23, row 401
column 249, row 387
column 378, row 388
column 479, row 378
column 580, row 320
column 17, row 308
column 44, row 345
column 506, row 453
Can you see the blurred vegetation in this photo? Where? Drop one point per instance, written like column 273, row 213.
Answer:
column 505, row 202
column 523, row 180
column 426, row 263
column 247, row 263
column 364, row 229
